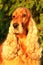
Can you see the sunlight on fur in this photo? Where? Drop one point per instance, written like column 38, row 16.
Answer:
column 21, row 46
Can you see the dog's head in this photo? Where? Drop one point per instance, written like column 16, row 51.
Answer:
column 20, row 20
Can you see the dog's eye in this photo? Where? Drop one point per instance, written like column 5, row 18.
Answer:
column 24, row 15
column 13, row 17
column 15, row 25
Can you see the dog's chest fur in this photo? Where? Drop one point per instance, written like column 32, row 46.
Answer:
column 21, row 42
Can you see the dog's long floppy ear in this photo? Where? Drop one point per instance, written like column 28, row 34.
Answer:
column 11, row 28
column 32, row 40
column 32, row 30
column 28, row 13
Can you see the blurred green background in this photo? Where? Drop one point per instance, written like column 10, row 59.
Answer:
column 8, row 6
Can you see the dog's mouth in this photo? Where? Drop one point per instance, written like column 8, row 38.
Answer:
column 24, row 34
column 19, row 35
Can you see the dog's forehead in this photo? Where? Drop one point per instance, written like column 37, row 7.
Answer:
column 21, row 14
column 20, row 11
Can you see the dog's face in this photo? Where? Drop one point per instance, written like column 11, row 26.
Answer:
column 20, row 19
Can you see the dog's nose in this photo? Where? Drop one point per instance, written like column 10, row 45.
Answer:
column 15, row 25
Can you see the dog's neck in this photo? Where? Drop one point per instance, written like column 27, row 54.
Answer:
column 20, row 38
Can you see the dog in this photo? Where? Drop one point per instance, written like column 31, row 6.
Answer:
column 21, row 46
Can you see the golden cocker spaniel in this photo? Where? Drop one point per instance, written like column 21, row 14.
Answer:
column 21, row 46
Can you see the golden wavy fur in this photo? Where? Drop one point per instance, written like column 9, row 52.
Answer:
column 21, row 46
